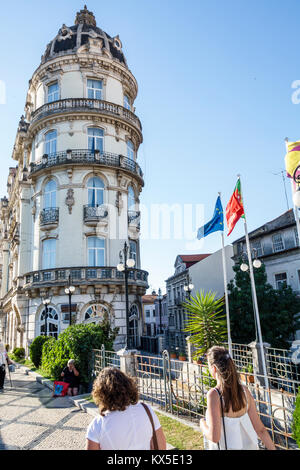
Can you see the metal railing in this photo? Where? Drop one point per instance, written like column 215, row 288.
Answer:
column 180, row 388
column 49, row 215
column 94, row 213
column 85, row 104
column 103, row 358
column 84, row 156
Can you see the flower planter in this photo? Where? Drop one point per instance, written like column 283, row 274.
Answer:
column 247, row 378
column 182, row 358
column 173, row 356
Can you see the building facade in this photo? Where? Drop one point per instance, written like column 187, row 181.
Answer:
column 175, row 337
column 276, row 244
column 73, row 196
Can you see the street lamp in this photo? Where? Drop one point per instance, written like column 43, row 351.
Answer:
column 256, row 263
column 46, row 302
column 70, row 291
column 188, row 287
column 125, row 265
column 160, row 297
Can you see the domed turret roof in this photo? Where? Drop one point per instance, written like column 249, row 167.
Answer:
column 85, row 32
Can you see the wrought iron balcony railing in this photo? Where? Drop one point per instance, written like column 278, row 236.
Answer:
column 60, row 276
column 94, row 213
column 134, row 217
column 85, row 156
column 49, row 216
column 86, row 104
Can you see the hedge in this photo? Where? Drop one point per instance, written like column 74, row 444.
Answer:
column 35, row 349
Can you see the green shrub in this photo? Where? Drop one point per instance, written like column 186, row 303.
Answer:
column 18, row 354
column 7, row 347
column 77, row 342
column 35, row 349
column 296, row 420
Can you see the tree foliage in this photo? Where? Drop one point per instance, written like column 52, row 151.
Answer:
column 296, row 420
column 205, row 321
column 77, row 342
column 277, row 309
column 36, row 348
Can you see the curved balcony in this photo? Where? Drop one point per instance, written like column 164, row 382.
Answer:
column 134, row 218
column 92, row 215
column 59, row 277
column 85, row 105
column 86, row 157
column 49, row 218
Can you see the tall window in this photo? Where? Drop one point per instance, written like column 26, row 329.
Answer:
column 94, row 89
column 51, row 322
column 131, row 199
column 127, row 102
column 256, row 245
column 95, row 139
column 280, row 280
column 53, row 92
column 132, row 248
column 50, row 142
column 95, row 191
column 296, row 237
column 130, row 150
column 50, row 195
column 277, row 242
column 96, row 251
column 49, row 253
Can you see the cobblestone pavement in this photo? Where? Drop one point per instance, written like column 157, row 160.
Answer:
column 31, row 419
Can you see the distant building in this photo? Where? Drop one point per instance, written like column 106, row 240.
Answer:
column 161, row 317
column 149, row 314
column 175, row 337
column 276, row 244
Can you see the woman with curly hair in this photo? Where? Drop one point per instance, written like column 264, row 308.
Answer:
column 123, row 423
column 232, row 421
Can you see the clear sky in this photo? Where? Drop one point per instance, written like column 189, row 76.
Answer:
column 215, row 99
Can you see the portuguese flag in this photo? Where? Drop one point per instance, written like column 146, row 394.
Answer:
column 234, row 208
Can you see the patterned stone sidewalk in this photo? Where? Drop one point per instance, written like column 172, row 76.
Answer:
column 31, row 419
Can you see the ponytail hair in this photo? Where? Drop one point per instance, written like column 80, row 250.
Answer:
column 231, row 388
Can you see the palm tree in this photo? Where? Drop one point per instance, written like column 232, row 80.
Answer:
column 205, row 321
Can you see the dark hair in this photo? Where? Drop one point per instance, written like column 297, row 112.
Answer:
column 231, row 388
column 114, row 391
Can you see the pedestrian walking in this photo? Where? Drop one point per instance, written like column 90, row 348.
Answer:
column 124, row 423
column 231, row 422
column 4, row 360
column 71, row 376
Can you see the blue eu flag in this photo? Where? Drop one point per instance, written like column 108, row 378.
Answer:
column 215, row 224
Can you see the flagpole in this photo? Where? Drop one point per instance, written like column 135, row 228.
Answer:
column 254, row 297
column 296, row 210
column 226, row 292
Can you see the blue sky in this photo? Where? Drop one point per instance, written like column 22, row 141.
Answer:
column 215, row 99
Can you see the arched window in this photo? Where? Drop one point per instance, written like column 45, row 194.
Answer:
column 133, row 336
column 49, row 253
column 95, row 139
column 96, row 251
column 130, row 150
column 131, row 199
column 49, row 323
column 95, row 187
column 50, row 195
column 50, row 142
column 95, row 313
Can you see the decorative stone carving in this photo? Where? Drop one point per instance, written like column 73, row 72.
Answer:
column 70, row 201
column 119, row 202
column 33, row 210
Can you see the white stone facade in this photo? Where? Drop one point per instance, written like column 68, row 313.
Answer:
column 73, row 198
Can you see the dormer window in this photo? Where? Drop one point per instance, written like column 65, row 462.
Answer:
column 94, row 89
column 53, row 92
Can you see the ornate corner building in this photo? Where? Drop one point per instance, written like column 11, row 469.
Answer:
column 73, row 196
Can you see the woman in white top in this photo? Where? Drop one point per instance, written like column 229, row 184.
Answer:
column 230, row 405
column 4, row 359
column 123, row 423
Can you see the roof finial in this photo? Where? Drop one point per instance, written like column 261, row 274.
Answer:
column 85, row 17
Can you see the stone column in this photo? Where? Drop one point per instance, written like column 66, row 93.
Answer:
column 257, row 360
column 127, row 361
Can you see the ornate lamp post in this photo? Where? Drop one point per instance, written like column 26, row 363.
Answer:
column 70, row 291
column 188, row 287
column 126, row 265
column 256, row 263
column 160, row 297
column 46, row 302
